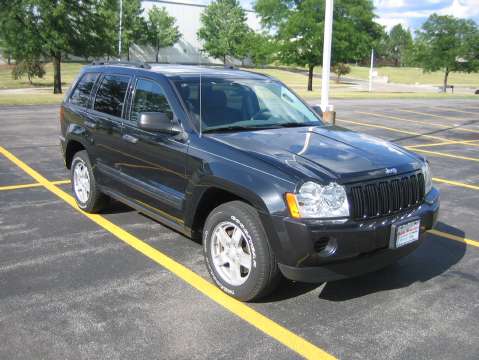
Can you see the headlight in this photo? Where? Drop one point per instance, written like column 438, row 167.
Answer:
column 317, row 201
column 426, row 171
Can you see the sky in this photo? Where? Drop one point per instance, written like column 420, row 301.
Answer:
column 409, row 13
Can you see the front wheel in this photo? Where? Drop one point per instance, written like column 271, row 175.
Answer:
column 237, row 252
column 84, row 187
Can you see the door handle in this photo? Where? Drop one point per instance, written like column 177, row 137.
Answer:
column 130, row 138
column 90, row 124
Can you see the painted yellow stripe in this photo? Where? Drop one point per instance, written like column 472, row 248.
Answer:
column 442, row 143
column 456, row 183
column 243, row 311
column 415, row 121
column 442, row 126
column 454, row 237
column 26, row 186
column 449, row 118
column 454, row 110
column 396, row 130
column 442, row 154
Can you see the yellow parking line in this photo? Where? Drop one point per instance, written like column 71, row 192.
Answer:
column 442, row 154
column 443, row 126
column 433, row 115
column 454, row 237
column 397, row 130
column 414, row 121
column 466, row 142
column 456, row 183
column 27, row 186
column 454, row 110
column 243, row 311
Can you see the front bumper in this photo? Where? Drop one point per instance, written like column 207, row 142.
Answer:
column 318, row 251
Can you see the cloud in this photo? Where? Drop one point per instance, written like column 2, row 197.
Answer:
column 412, row 13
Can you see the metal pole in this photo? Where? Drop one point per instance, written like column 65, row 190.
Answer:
column 119, row 32
column 371, row 71
column 328, row 33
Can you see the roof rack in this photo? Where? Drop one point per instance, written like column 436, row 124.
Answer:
column 138, row 64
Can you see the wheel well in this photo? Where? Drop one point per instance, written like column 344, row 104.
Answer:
column 72, row 148
column 211, row 198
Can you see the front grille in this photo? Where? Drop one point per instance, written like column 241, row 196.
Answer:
column 386, row 196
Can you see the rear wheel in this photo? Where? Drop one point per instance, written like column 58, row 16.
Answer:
column 84, row 187
column 237, row 252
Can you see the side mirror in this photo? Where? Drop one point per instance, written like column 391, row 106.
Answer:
column 158, row 122
column 317, row 110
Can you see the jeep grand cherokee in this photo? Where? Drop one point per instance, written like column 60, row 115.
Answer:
column 237, row 159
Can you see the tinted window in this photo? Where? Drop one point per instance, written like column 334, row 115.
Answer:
column 111, row 94
column 245, row 103
column 82, row 91
column 149, row 97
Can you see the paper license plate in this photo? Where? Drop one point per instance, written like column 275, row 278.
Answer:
column 407, row 233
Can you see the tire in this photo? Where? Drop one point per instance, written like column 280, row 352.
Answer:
column 92, row 200
column 239, row 221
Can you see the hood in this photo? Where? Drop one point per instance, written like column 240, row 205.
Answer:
column 332, row 151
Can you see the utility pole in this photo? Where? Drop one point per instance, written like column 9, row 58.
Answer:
column 119, row 32
column 328, row 110
column 371, row 71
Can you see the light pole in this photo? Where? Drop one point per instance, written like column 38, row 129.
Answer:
column 327, row 109
column 119, row 32
column 371, row 70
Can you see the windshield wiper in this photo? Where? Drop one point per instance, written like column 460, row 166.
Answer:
column 295, row 124
column 234, row 128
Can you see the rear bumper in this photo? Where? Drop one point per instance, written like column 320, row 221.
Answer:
column 320, row 252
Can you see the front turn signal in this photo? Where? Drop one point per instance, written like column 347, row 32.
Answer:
column 293, row 205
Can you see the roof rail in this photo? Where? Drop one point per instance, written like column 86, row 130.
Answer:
column 138, row 64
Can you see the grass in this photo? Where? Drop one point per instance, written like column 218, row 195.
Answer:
column 410, row 75
column 69, row 72
column 296, row 80
column 31, row 99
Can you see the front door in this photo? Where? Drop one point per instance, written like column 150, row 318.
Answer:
column 155, row 162
column 106, row 118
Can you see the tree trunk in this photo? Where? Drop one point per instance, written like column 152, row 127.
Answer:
column 128, row 52
column 338, row 79
column 310, row 78
column 446, row 75
column 157, row 54
column 224, row 59
column 9, row 59
column 57, row 76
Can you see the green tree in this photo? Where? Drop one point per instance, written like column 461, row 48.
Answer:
column 340, row 69
column 259, row 48
column 30, row 67
column 400, row 44
column 299, row 29
column 223, row 29
column 35, row 29
column 133, row 25
column 162, row 29
column 449, row 44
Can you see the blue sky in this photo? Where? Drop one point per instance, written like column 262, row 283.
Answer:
column 410, row 13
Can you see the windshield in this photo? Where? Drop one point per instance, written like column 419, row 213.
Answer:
column 231, row 104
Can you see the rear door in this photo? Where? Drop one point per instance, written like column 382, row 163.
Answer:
column 154, row 162
column 105, row 118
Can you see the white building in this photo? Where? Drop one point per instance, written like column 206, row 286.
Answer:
column 187, row 14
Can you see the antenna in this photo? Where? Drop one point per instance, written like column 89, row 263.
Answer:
column 200, row 90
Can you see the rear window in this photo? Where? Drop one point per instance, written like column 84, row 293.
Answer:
column 110, row 96
column 81, row 94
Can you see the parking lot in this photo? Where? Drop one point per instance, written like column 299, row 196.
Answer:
column 120, row 285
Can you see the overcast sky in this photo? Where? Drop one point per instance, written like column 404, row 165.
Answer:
column 411, row 13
